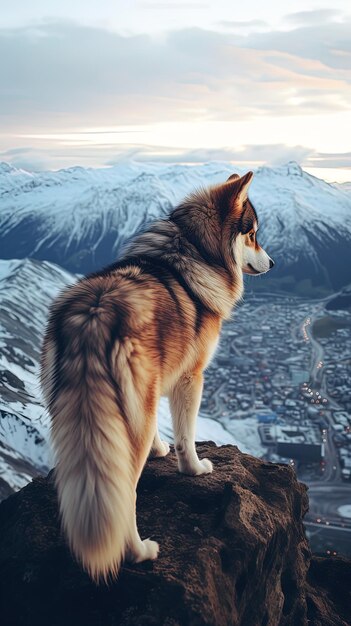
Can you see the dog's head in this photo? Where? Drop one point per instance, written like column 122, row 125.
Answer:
column 240, row 225
column 222, row 223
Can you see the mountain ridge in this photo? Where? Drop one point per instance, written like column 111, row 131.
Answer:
column 81, row 218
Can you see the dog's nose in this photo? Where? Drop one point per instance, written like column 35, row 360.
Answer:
column 271, row 263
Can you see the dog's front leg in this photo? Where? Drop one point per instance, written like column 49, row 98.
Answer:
column 184, row 402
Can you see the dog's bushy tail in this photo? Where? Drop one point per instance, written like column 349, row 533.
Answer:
column 94, row 473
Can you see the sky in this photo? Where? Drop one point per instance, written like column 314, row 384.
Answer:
column 93, row 82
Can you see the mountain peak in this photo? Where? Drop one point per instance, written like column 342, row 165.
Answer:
column 292, row 168
column 6, row 168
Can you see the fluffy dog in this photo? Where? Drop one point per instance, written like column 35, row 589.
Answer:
column 119, row 339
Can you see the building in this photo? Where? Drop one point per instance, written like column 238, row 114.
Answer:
column 266, row 417
column 302, row 443
column 299, row 376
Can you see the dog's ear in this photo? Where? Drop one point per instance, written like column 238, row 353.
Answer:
column 233, row 177
column 243, row 185
column 233, row 193
column 237, row 186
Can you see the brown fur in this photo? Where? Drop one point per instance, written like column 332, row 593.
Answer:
column 117, row 340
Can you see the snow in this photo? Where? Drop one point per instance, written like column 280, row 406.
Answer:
column 345, row 511
column 207, row 429
column 7, row 267
column 241, row 433
column 93, row 209
column 26, row 290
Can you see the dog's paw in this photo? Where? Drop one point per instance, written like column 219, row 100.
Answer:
column 206, row 467
column 151, row 549
column 196, row 469
column 146, row 550
column 160, row 451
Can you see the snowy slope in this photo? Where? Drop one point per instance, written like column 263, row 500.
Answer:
column 26, row 290
column 79, row 218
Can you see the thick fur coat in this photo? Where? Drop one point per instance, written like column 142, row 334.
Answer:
column 119, row 339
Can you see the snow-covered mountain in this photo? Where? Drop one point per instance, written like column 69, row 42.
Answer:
column 79, row 218
column 26, row 290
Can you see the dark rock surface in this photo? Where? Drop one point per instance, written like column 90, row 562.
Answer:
column 233, row 552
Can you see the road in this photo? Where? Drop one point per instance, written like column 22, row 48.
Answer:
column 330, row 493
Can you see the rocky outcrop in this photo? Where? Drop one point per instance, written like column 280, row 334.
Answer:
column 233, row 552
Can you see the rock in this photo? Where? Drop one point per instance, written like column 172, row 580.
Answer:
column 233, row 552
column 329, row 592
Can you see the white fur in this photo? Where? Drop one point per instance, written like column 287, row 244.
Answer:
column 159, row 448
column 184, row 402
column 258, row 259
column 95, row 482
column 248, row 256
column 120, row 362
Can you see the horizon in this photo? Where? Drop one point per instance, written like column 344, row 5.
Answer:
column 328, row 175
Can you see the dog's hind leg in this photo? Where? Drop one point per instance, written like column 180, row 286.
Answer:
column 185, row 401
column 138, row 549
column 159, row 447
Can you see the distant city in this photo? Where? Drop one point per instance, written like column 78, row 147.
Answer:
column 287, row 363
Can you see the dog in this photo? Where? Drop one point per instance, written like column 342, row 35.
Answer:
column 120, row 338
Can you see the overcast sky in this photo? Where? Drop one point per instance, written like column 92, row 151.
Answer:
column 91, row 82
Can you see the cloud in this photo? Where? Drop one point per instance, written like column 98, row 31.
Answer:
column 246, row 156
column 318, row 16
column 27, row 158
column 272, row 154
column 13, row 152
column 62, row 74
column 330, row 159
column 109, row 154
column 173, row 5
column 245, row 24
column 326, row 42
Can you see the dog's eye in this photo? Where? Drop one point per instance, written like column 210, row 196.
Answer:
column 252, row 236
